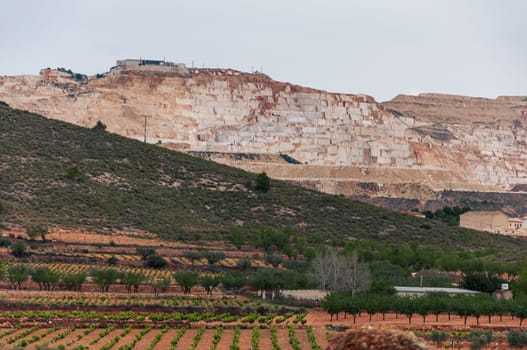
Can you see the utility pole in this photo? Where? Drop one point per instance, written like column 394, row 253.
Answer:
column 146, row 117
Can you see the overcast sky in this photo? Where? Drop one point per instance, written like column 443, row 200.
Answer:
column 382, row 48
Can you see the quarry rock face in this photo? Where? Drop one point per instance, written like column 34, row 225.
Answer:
column 410, row 147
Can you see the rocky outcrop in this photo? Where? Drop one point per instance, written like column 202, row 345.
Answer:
column 484, row 138
column 410, row 147
column 442, row 108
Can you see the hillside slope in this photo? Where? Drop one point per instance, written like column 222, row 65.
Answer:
column 65, row 175
column 410, row 148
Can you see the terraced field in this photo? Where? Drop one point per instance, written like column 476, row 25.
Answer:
column 126, row 338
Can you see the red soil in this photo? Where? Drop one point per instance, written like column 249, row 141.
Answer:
column 245, row 339
column 226, row 339
column 283, row 339
column 70, row 338
column 3, row 340
column 5, row 345
column 206, row 339
column 85, row 340
column 165, row 341
column 147, row 339
column 301, row 335
column 48, row 337
column 127, row 339
column 186, row 340
column 107, row 338
column 27, row 337
column 72, row 236
column 265, row 339
column 320, row 335
column 321, row 319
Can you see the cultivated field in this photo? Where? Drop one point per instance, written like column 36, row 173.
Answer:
column 31, row 318
column 112, row 337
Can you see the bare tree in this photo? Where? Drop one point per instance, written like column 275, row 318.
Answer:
column 334, row 268
column 321, row 269
column 356, row 276
column 340, row 272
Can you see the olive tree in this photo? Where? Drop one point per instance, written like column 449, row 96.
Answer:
column 45, row 277
column 334, row 303
column 18, row 274
column 186, row 280
column 37, row 230
column 74, row 281
column 132, row 281
column 105, row 278
column 161, row 285
column 209, row 282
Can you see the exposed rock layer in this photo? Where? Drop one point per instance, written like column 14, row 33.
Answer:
column 410, row 147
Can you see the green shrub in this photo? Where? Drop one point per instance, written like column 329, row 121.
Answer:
column 112, row 260
column 479, row 339
column 155, row 261
column 74, row 173
column 244, row 263
column 233, row 280
column 100, row 126
column 438, row 336
column 4, row 241
column 237, row 237
column 273, row 260
column 214, row 257
column 19, row 248
column 517, row 339
column 144, row 252
column 263, row 183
